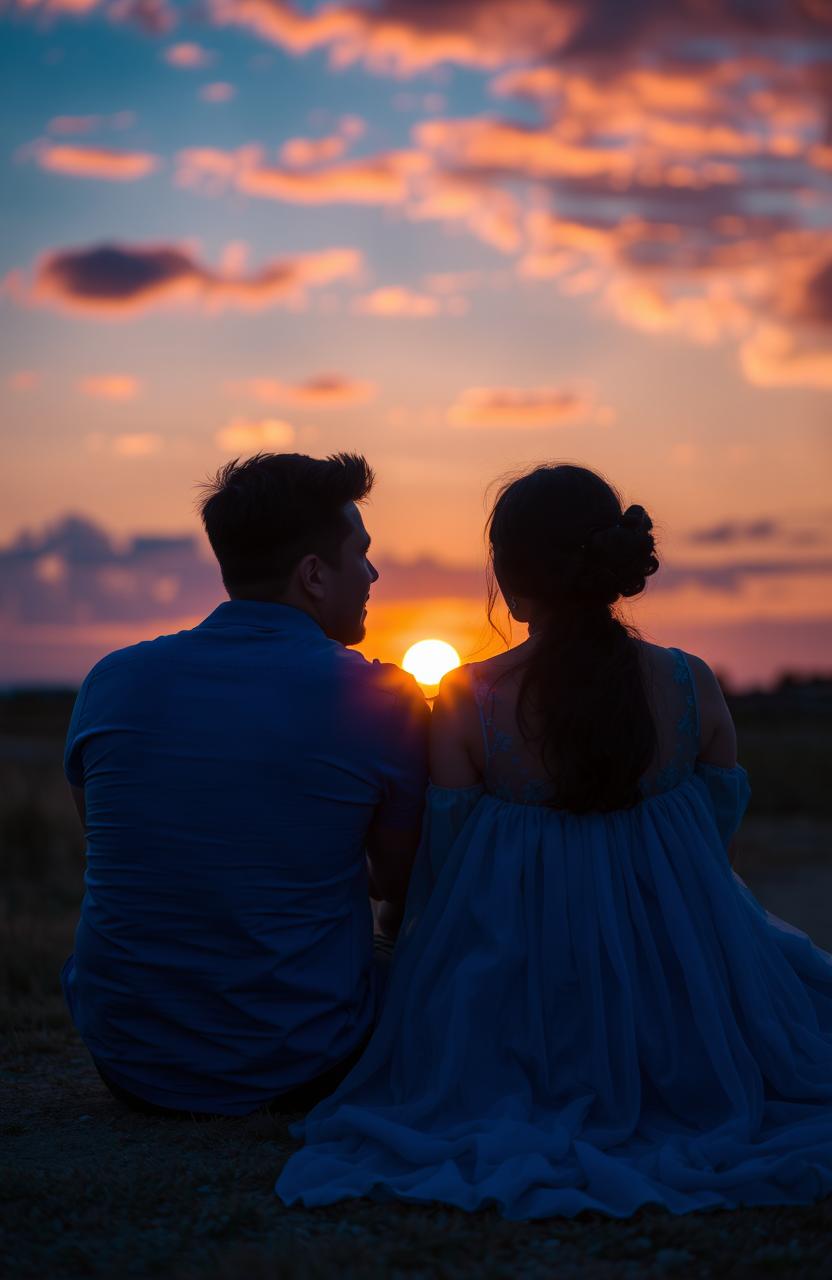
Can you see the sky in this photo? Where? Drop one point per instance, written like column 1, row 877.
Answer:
column 462, row 237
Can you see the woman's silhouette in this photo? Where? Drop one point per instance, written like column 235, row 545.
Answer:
column 587, row 1008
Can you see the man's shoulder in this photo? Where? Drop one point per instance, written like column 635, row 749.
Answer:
column 385, row 677
column 133, row 656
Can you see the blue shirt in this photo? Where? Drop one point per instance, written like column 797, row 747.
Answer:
column 231, row 772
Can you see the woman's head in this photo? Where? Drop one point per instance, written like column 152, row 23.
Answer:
column 560, row 539
column 563, row 553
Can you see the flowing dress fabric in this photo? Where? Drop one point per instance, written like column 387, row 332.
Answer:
column 585, row 1012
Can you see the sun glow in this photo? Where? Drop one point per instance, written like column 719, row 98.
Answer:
column 430, row 660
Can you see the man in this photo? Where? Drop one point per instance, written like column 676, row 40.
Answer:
column 242, row 785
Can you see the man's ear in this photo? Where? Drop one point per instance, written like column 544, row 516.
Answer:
column 309, row 575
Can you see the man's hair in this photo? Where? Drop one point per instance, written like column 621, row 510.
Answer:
column 263, row 515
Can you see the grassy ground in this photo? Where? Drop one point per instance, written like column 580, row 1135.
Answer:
column 87, row 1188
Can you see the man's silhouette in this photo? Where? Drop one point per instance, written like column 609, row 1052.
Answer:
column 244, row 786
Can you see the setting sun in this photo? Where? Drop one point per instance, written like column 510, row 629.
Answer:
column 430, row 660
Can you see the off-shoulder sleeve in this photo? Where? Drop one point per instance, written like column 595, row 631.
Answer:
column 446, row 811
column 729, row 792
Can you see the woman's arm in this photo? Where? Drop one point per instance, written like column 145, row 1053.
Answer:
column 454, row 728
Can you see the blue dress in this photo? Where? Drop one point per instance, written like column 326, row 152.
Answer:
column 586, row 1012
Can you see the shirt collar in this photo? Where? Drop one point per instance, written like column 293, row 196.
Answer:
column 261, row 615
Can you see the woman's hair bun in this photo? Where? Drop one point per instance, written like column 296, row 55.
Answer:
column 623, row 555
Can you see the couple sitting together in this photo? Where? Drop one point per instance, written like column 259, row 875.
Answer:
column 585, row 1008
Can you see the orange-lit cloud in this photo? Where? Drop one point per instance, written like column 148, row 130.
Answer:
column 302, row 152
column 188, row 56
column 110, row 386
column 128, row 444
column 480, row 143
column 324, row 391
column 516, row 407
column 95, row 162
column 379, row 179
column 772, row 357
column 249, row 436
column 489, row 212
column 219, row 91
column 395, row 300
column 139, row 444
column 404, row 36
column 112, row 278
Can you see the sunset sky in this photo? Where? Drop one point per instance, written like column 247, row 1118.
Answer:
column 460, row 236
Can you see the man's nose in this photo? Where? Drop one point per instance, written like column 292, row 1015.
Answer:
column 373, row 572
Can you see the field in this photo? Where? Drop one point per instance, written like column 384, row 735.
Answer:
column 90, row 1189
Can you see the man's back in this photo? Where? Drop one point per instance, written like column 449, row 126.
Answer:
column 230, row 776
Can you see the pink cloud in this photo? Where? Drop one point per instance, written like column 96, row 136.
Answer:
column 219, row 91
column 110, row 386
column 109, row 279
column 396, row 301
column 188, row 56
column 95, row 162
column 515, row 407
column 323, row 391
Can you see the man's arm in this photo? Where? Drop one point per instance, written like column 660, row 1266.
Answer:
column 80, row 804
column 390, row 854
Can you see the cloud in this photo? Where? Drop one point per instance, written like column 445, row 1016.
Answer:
column 300, row 153
column 23, row 380
column 490, row 213
column 211, row 170
column 95, row 162
column 219, row 91
column 109, row 279
column 379, row 179
column 73, row 573
column 515, row 407
column 323, row 391
column 249, row 436
column 127, row 444
column 772, row 357
column 395, row 300
column 729, row 531
column 110, row 386
column 188, row 56
column 68, row 125
column 405, row 36
column 154, row 17
column 139, row 444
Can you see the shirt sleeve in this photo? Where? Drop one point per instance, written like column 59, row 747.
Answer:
column 76, row 734
column 404, row 752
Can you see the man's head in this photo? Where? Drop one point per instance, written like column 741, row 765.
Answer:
column 286, row 528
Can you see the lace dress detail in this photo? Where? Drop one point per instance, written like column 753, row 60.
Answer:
column 508, row 777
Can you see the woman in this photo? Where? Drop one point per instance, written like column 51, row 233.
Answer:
column 587, row 1009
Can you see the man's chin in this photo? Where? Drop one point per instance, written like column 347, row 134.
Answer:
column 354, row 636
